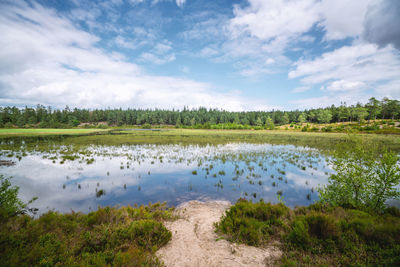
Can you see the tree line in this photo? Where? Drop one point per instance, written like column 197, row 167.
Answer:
column 47, row 117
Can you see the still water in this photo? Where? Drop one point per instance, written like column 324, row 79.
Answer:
column 102, row 175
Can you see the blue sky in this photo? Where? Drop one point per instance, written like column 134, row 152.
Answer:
column 234, row 55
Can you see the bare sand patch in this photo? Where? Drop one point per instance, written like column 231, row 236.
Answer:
column 194, row 242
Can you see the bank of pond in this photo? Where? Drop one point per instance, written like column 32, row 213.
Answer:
column 318, row 234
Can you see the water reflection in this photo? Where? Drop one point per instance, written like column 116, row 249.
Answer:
column 83, row 179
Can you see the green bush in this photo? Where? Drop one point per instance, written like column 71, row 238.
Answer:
column 252, row 223
column 146, row 126
column 305, row 128
column 327, row 129
column 299, row 236
column 10, row 204
column 149, row 234
column 109, row 236
column 317, row 235
column 366, row 176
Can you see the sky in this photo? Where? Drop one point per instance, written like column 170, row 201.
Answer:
column 236, row 55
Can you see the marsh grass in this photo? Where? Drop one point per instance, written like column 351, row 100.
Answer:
column 317, row 235
column 199, row 137
column 126, row 236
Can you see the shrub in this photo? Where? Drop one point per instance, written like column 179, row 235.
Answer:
column 299, row 236
column 317, row 235
column 322, row 226
column 327, row 129
column 10, row 204
column 107, row 237
column 146, row 126
column 252, row 223
column 149, row 234
column 365, row 176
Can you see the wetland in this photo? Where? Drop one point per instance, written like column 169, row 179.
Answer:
column 84, row 172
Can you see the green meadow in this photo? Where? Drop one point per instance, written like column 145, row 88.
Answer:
column 39, row 132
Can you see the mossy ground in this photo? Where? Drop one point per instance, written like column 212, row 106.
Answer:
column 126, row 236
column 317, row 235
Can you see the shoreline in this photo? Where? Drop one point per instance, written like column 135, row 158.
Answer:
column 195, row 243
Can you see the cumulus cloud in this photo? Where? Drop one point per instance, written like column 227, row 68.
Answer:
column 270, row 28
column 363, row 63
column 342, row 18
column 268, row 20
column 350, row 74
column 345, row 86
column 47, row 59
column 382, row 22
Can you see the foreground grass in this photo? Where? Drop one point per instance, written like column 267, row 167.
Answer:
column 39, row 132
column 317, row 235
column 128, row 236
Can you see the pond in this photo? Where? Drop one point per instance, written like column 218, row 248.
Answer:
column 66, row 176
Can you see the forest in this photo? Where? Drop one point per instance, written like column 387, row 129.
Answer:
column 47, row 117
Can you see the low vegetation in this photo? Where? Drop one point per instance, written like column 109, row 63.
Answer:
column 317, row 235
column 126, row 236
column 350, row 225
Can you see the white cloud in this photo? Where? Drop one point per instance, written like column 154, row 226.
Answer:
column 326, row 101
column 205, row 28
column 46, row 59
column 390, row 89
column 343, row 18
column 185, row 69
column 345, row 86
column 156, row 59
column 361, row 63
column 269, row 61
column 180, row 3
column 301, row 89
column 287, row 20
column 135, row 2
column 208, row 52
column 350, row 74
column 159, row 54
column 122, row 42
column 162, row 48
column 272, row 27
column 269, row 20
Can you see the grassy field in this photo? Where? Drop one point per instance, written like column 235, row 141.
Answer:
column 39, row 132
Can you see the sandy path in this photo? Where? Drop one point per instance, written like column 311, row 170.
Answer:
column 194, row 240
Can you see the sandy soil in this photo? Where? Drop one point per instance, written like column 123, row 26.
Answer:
column 194, row 242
